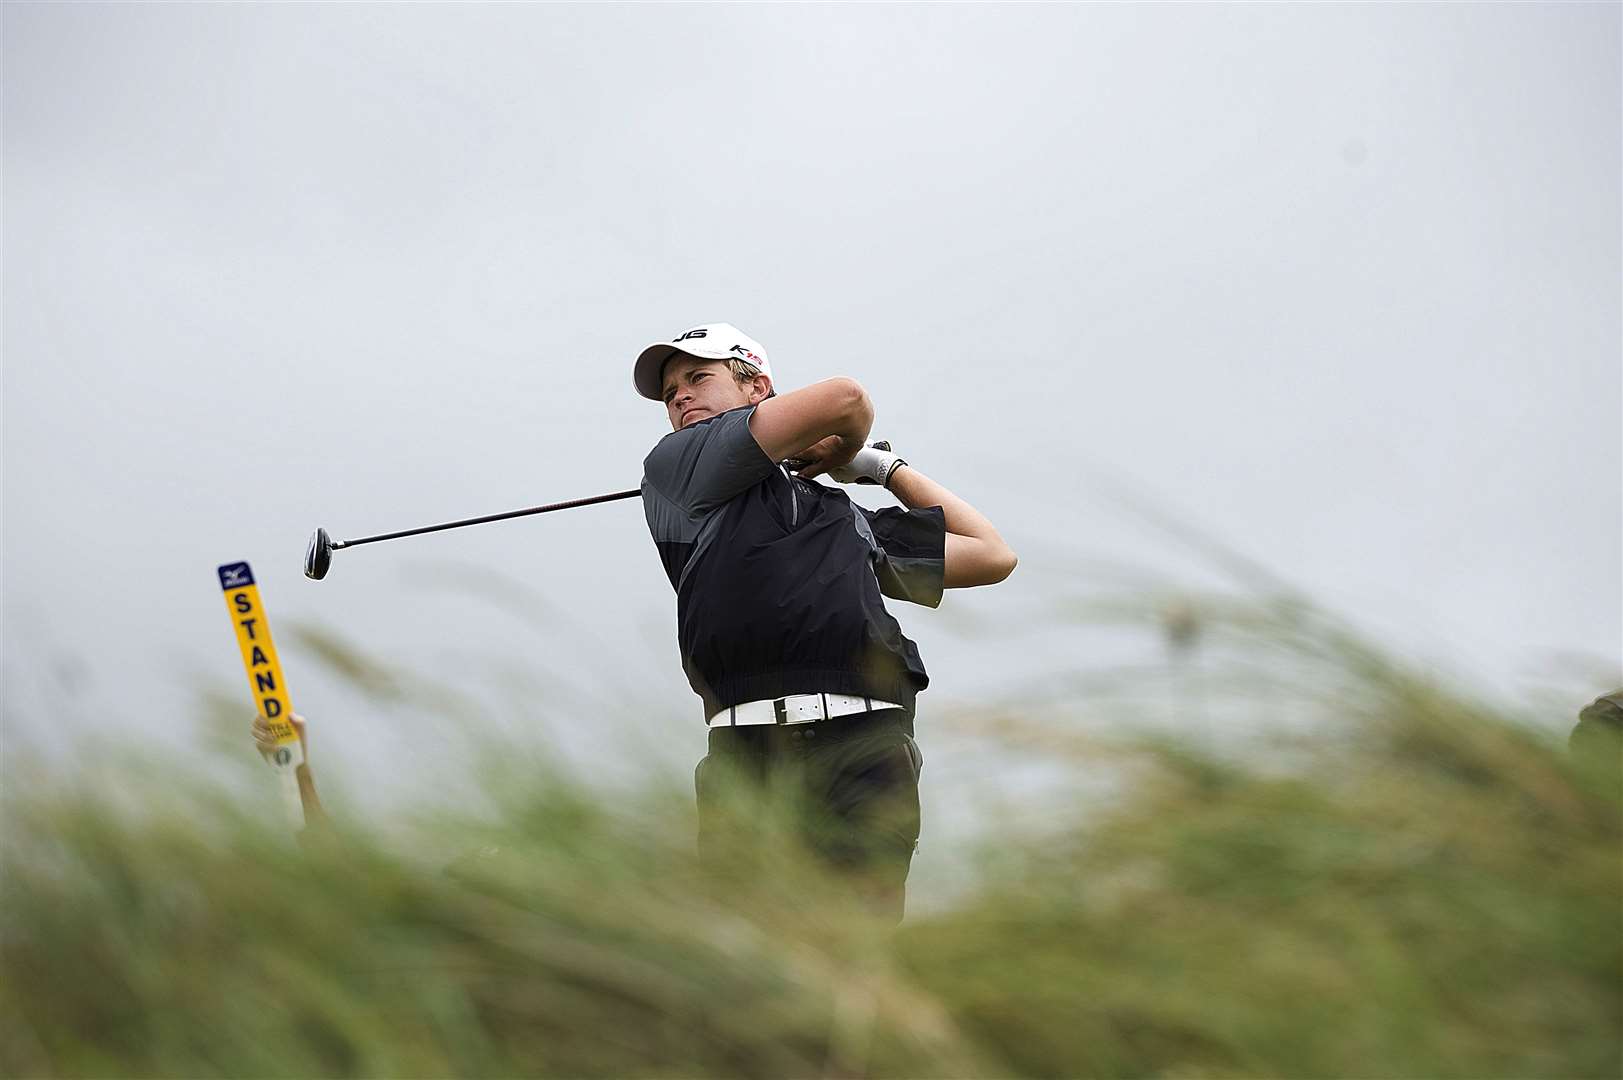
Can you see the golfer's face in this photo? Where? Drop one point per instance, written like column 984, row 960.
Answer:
column 695, row 389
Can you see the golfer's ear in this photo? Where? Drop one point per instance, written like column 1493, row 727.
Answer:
column 789, row 423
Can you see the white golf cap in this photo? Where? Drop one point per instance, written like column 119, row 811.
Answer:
column 712, row 341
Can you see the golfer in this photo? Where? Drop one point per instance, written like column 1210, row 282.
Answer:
column 807, row 682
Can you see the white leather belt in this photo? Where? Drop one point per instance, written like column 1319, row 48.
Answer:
column 796, row 709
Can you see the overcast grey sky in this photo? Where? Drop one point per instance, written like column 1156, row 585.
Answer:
column 1337, row 285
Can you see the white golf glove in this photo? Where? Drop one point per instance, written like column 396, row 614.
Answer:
column 874, row 464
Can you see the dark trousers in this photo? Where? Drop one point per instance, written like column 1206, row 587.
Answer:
column 847, row 787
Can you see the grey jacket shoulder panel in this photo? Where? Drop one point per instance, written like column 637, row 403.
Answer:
column 700, row 467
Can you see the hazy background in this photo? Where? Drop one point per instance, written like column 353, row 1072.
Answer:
column 1335, row 286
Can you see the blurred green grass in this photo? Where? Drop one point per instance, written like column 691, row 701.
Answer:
column 1426, row 887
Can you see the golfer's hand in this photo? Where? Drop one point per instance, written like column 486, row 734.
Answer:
column 829, row 453
column 267, row 745
column 873, row 464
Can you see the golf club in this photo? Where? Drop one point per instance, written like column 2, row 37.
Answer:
column 318, row 556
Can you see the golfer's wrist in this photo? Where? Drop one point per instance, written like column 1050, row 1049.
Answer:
column 871, row 465
column 897, row 466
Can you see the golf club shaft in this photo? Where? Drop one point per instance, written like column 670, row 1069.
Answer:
column 633, row 493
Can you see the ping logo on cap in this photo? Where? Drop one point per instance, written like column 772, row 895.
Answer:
column 708, row 341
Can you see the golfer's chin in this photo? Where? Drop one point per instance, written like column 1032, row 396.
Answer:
column 693, row 417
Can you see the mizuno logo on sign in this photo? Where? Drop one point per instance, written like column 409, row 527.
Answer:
column 235, row 575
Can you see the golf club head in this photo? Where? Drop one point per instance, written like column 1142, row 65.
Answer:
column 318, row 556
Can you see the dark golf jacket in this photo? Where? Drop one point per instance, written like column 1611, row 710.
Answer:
column 778, row 580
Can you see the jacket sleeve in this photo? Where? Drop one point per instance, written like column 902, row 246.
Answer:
column 701, row 467
column 910, row 557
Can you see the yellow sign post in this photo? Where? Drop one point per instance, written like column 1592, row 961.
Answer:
column 265, row 677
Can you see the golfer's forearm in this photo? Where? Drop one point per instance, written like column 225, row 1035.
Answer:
column 858, row 420
column 834, row 409
column 914, row 489
column 975, row 554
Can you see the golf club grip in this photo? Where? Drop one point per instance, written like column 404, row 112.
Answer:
column 589, row 501
column 796, row 464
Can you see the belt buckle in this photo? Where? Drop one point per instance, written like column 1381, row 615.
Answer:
column 780, row 710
